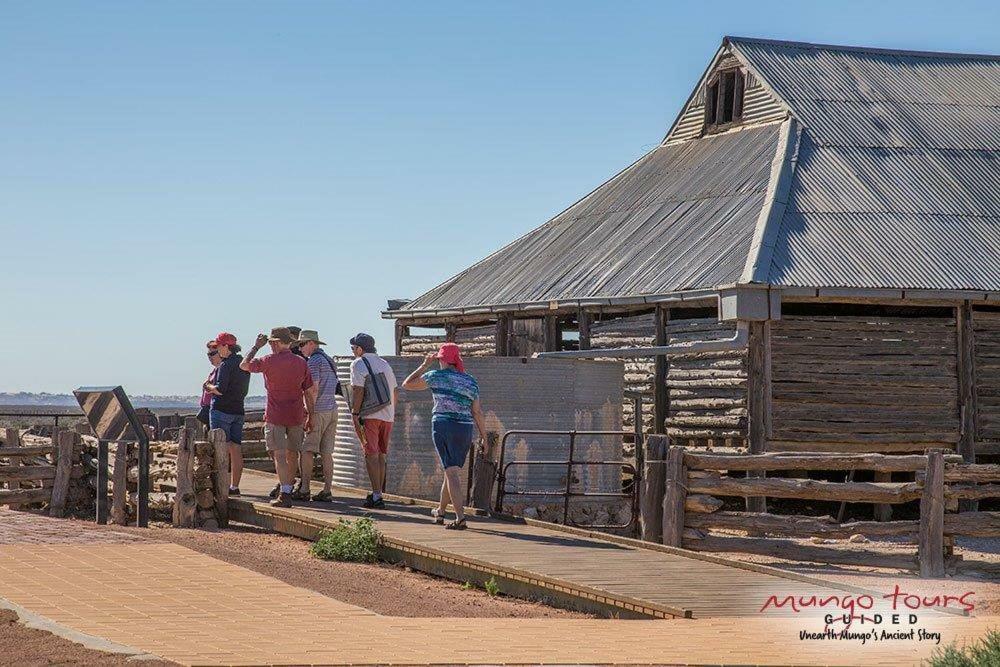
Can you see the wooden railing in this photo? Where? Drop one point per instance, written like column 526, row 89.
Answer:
column 38, row 473
column 691, row 510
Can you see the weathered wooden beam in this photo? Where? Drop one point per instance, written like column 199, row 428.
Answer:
column 220, row 475
column 484, row 471
column 24, row 496
column 551, row 334
column 972, row 491
column 675, row 492
column 973, row 524
column 401, row 331
column 503, row 334
column 64, row 465
column 982, row 472
column 807, row 461
column 799, row 526
column 30, row 473
column 584, row 320
column 185, row 504
column 931, row 549
column 652, row 489
column 32, row 450
column 661, row 395
column 758, row 399
column 119, row 485
column 882, row 511
column 790, row 550
column 807, row 489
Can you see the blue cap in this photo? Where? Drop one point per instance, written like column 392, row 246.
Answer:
column 364, row 341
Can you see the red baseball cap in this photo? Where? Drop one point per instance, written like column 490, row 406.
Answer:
column 225, row 338
column 450, row 354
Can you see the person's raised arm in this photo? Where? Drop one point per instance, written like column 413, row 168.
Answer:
column 413, row 381
column 259, row 343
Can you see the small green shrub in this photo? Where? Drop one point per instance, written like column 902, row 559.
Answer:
column 468, row 586
column 492, row 587
column 983, row 653
column 350, row 541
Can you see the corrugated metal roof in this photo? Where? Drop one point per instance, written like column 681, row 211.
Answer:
column 897, row 178
column 680, row 218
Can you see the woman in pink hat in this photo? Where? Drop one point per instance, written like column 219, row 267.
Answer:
column 456, row 410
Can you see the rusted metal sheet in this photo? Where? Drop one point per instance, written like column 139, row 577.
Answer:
column 516, row 394
column 897, row 177
column 680, row 218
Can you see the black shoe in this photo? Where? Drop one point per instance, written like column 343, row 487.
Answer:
column 234, row 492
column 275, row 491
column 300, row 494
column 379, row 504
column 369, row 501
column 323, row 497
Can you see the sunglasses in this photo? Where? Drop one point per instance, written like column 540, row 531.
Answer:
column 212, row 353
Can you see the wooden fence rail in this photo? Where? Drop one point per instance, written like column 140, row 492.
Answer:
column 692, row 515
column 37, row 474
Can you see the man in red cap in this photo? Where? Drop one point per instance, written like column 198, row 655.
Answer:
column 227, row 411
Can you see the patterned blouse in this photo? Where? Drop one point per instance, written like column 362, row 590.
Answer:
column 453, row 392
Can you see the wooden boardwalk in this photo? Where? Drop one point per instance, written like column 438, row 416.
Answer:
column 658, row 582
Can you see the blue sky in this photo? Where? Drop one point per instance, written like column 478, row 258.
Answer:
column 170, row 170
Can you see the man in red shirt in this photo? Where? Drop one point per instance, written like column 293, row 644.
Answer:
column 289, row 406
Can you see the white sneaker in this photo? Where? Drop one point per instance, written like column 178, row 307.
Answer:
column 438, row 516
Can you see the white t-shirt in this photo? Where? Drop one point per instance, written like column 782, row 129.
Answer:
column 379, row 365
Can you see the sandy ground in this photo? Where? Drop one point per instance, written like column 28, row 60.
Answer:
column 26, row 647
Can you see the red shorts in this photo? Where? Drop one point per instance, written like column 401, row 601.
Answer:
column 377, row 436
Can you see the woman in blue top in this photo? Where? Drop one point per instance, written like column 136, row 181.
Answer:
column 456, row 410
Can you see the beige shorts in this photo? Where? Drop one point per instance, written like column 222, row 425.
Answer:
column 279, row 438
column 323, row 434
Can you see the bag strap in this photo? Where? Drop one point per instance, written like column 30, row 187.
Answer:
column 371, row 374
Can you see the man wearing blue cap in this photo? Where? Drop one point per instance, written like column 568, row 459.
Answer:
column 373, row 410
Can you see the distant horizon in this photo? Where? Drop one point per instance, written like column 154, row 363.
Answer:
column 183, row 169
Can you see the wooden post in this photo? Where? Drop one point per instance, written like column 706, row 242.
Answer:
column 551, row 336
column 931, row 545
column 11, row 438
column 583, row 321
column 64, row 465
column 652, row 490
column 967, row 401
column 184, row 500
column 119, row 488
column 661, row 397
column 883, row 512
column 449, row 333
column 401, row 332
column 484, row 472
column 758, row 399
column 675, row 492
column 220, row 475
column 503, row 335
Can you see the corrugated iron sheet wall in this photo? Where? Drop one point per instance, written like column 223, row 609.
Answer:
column 550, row 394
column 864, row 383
column 634, row 331
column 986, row 332
column 707, row 390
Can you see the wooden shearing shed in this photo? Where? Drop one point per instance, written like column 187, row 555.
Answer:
column 832, row 212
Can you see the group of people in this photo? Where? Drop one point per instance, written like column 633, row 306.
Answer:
column 300, row 418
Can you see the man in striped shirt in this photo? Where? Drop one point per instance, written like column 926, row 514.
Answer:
column 321, row 437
